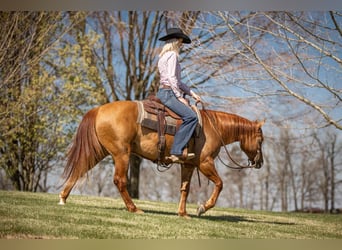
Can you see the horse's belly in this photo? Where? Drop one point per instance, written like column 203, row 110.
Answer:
column 146, row 144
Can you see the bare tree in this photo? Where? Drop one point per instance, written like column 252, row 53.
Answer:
column 302, row 50
column 122, row 63
column 129, row 37
column 279, row 60
column 327, row 159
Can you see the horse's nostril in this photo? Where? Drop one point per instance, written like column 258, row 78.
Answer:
column 259, row 165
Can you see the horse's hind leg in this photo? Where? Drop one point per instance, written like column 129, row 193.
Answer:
column 120, row 180
column 66, row 191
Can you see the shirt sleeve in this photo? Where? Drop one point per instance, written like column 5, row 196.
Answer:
column 185, row 88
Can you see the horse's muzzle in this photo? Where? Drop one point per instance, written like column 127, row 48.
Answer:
column 253, row 164
column 257, row 162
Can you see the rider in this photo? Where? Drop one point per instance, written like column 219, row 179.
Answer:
column 172, row 91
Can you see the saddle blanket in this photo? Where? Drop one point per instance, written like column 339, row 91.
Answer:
column 150, row 121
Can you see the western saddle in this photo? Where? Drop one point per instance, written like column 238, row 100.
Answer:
column 160, row 118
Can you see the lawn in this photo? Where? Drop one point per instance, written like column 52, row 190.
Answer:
column 38, row 216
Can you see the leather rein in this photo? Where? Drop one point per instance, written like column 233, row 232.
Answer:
column 238, row 166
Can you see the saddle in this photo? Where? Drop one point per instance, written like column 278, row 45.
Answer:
column 156, row 116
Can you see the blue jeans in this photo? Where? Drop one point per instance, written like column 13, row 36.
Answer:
column 188, row 116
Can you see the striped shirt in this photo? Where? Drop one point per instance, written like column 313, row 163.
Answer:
column 170, row 74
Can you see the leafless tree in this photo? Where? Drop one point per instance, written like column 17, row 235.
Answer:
column 327, row 152
column 302, row 50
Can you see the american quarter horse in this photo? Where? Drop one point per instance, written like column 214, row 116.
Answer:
column 112, row 129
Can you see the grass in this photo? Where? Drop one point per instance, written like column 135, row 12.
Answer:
column 37, row 215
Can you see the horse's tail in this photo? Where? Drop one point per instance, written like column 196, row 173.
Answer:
column 86, row 150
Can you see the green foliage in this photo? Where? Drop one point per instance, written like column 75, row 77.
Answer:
column 37, row 215
column 37, row 106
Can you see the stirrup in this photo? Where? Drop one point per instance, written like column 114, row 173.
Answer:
column 181, row 159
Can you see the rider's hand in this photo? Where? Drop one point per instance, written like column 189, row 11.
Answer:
column 196, row 97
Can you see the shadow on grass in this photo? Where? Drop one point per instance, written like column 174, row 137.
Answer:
column 235, row 218
column 146, row 211
column 124, row 209
column 227, row 218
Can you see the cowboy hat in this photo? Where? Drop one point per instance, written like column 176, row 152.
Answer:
column 175, row 33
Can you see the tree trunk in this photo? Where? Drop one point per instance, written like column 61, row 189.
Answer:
column 325, row 187
column 293, row 184
column 332, row 179
column 267, row 182
column 133, row 179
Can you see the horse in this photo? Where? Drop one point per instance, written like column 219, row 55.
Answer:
column 112, row 129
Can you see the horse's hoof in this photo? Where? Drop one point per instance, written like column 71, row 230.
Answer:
column 61, row 201
column 139, row 211
column 200, row 210
column 184, row 216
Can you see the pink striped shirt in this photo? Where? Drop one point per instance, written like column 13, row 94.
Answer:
column 170, row 74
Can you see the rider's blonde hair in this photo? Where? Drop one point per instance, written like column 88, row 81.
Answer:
column 171, row 45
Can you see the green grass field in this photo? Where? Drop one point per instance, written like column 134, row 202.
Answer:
column 37, row 215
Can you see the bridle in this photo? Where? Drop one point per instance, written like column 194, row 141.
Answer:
column 238, row 165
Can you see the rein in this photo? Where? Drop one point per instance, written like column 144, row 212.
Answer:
column 164, row 167
column 239, row 166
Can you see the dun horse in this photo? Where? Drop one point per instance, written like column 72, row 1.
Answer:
column 112, row 129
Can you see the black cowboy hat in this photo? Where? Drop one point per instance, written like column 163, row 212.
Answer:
column 175, row 33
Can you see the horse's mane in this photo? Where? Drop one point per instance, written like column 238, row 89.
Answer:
column 232, row 125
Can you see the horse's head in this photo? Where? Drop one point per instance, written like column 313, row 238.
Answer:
column 252, row 145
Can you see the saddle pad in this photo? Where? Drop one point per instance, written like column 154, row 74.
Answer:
column 151, row 121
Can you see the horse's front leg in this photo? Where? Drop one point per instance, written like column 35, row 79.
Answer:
column 208, row 169
column 186, row 173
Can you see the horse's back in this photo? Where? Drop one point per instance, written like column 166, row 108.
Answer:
column 118, row 108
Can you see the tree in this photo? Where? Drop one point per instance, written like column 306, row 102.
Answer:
column 286, row 66
column 327, row 159
column 302, row 60
column 121, row 63
column 31, row 133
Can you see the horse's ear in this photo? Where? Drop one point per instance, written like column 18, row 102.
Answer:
column 261, row 123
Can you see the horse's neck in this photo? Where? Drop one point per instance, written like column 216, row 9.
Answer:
column 231, row 127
